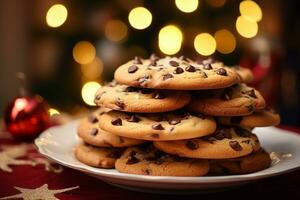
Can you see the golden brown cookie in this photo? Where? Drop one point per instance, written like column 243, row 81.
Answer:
column 131, row 99
column 245, row 73
column 226, row 142
column 91, row 133
column 237, row 100
column 97, row 156
column 248, row 164
column 152, row 162
column 175, row 74
column 157, row 127
column 260, row 118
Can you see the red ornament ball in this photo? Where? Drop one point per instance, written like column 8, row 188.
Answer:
column 27, row 116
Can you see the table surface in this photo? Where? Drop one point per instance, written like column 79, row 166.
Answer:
column 33, row 177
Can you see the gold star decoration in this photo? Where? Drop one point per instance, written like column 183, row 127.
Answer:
column 10, row 156
column 40, row 193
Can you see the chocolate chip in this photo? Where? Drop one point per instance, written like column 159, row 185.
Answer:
column 114, row 154
column 94, row 131
column 223, row 133
column 120, row 103
column 204, row 75
column 178, row 70
column 146, row 90
column 158, row 95
column 116, row 122
column 250, row 93
column 190, row 68
column 93, row 119
column 157, row 126
column 242, row 132
column 133, row 118
column 250, row 108
column 222, row 72
column 173, row 63
column 235, row 145
column 137, row 60
column 167, row 76
column 172, row 129
column 192, row 144
column 98, row 97
column 132, row 160
column 155, row 135
column 132, row 69
column 143, row 79
column 207, row 67
column 131, row 89
column 174, row 121
column 236, row 119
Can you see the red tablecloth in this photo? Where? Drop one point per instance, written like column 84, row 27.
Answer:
column 33, row 177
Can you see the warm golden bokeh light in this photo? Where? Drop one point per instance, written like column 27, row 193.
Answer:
column 170, row 39
column 53, row 111
column 92, row 70
column 116, row 30
column 88, row 92
column 187, row 6
column 246, row 28
column 226, row 42
column 140, row 18
column 216, row 3
column 250, row 11
column 56, row 15
column 205, row 44
column 84, row 52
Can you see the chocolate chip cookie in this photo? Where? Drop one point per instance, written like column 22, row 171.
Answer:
column 132, row 99
column 237, row 100
column 247, row 164
column 260, row 118
column 226, row 142
column 97, row 156
column 150, row 161
column 91, row 133
column 160, row 126
column 175, row 74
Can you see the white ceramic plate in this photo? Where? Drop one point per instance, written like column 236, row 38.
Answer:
column 57, row 143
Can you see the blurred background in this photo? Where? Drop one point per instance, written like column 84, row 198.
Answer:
column 68, row 49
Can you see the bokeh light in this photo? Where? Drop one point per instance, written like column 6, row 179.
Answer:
column 250, row 11
column 84, row 52
column 53, row 111
column 56, row 15
column 88, row 92
column 226, row 42
column 92, row 70
column 216, row 3
column 140, row 18
column 170, row 39
column 187, row 6
column 246, row 28
column 116, row 30
column 205, row 44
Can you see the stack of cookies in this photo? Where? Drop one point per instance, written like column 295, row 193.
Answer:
column 176, row 117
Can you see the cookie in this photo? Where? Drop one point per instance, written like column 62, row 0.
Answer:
column 237, row 100
column 248, row 164
column 97, row 156
column 156, row 163
column 226, row 142
column 261, row 118
column 175, row 74
column 160, row 126
column 90, row 133
column 131, row 99
column 245, row 73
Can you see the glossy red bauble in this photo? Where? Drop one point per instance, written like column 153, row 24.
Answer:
column 27, row 116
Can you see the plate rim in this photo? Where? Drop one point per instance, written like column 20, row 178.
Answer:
column 109, row 173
